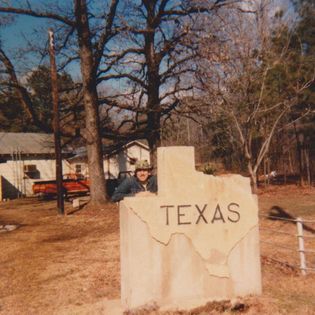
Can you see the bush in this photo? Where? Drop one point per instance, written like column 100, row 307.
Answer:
column 209, row 169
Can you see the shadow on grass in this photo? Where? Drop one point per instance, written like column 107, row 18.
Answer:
column 77, row 209
column 278, row 213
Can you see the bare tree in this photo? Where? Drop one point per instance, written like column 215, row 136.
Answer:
column 157, row 64
column 249, row 81
column 91, row 45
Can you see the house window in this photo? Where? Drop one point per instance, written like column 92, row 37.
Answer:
column 132, row 160
column 29, row 168
column 30, row 171
column 78, row 168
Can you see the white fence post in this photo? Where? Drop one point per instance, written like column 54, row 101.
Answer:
column 299, row 225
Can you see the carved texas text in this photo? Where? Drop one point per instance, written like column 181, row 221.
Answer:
column 234, row 216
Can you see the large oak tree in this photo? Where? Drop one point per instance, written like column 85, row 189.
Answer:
column 157, row 61
column 87, row 34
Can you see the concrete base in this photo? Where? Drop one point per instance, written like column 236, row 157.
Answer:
column 175, row 276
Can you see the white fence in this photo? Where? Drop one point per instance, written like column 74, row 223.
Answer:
column 281, row 239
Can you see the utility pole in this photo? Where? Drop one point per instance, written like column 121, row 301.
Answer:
column 56, row 125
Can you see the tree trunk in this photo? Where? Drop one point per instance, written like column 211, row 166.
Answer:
column 284, row 170
column 300, row 158
column 291, row 169
column 307, row 165
column 154, row 143
column 92, row 123
column 268, row 171
column 253, row 177
column 299, row 143
column 153, row 104
column 265, row 173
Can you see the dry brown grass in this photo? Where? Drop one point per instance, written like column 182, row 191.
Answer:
column 52, row 262
column 291, row 292
column 56, row 264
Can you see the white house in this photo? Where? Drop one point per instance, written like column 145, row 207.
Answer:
column 27, row 157
column 117, row 160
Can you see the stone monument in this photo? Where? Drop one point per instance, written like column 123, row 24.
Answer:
column 196, row 241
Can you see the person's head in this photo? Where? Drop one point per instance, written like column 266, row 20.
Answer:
column 143, row 170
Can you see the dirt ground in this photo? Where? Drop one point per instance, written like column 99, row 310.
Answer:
column 53, row 264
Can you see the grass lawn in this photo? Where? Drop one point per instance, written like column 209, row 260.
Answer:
column 70, row 264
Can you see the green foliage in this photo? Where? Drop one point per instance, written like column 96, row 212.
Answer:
column 302, row 49
column 39, row 84
column 12, row 115
column 222, row 140
column 209, row 169
column 225, row 146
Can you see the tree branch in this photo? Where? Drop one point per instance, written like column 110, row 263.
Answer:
column 29, row 12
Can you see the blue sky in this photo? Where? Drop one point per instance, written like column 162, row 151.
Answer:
column 12, row 35
column 15, row 37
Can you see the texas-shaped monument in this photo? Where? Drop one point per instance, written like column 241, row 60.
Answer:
column 196, row 241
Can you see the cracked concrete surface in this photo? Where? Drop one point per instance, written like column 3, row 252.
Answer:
column 196, row 240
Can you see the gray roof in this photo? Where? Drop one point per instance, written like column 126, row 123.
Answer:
column 26, row 143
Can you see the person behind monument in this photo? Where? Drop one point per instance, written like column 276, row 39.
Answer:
column 139, row 184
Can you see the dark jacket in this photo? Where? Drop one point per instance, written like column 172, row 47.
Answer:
column 130, row 186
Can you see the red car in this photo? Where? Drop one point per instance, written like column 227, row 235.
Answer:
column 72, row 184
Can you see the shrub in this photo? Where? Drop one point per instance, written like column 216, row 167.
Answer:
column 209, row 169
